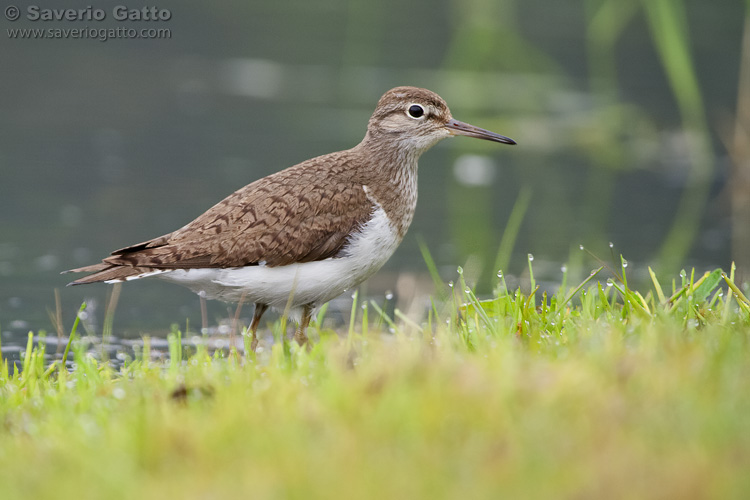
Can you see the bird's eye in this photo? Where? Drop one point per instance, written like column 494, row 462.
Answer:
column 415, row 111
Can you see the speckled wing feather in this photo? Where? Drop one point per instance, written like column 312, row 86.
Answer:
column 301, row 214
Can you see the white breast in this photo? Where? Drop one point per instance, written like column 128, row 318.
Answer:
column 306, row 283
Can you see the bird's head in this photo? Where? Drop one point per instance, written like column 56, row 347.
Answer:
column 416, row 119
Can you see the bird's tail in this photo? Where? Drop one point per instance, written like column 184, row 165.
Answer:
column 109, row 273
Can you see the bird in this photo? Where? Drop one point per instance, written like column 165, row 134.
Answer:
column 302, row 236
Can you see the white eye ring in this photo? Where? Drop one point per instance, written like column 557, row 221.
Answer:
column 416, row 112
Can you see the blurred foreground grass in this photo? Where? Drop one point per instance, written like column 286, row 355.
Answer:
column 596, row 392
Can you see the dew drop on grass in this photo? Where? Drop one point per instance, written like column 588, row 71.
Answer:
column 624, row 263
column 683, row 274
column 500, row 274
column 610, row 282
column 580, row 246
column 450, row 284
column 467, row 290
column 611, row 245
column 460, row 270
column 531, row 257
column 564, row 268
column 388, row 295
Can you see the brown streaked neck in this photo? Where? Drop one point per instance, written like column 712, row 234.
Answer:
column 389, row 170
column 388, row 150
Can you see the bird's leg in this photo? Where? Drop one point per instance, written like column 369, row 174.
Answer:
column 259, row 310
column 299, row 335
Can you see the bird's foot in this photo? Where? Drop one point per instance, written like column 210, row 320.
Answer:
column 301, row 338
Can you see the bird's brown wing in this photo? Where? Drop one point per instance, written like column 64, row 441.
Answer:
column 297, row 215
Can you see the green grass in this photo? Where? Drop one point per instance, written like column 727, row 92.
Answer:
column 596, row 391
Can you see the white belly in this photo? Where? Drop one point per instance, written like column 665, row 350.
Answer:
column 308, row 283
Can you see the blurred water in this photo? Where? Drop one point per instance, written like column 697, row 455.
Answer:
column 104, row 144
